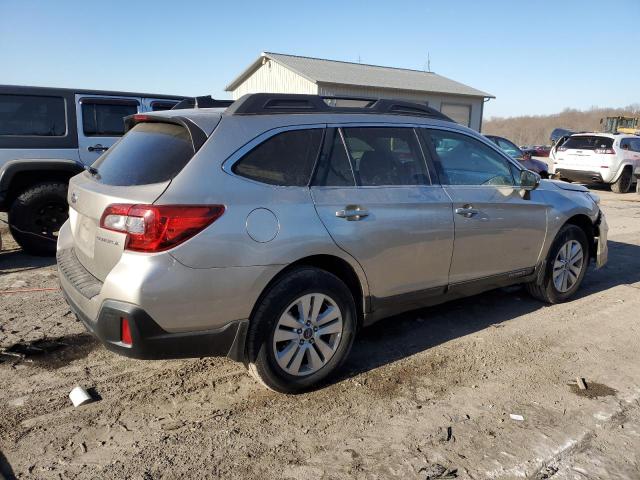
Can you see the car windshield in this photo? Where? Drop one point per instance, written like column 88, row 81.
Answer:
column 588, row 142
column 509, row 148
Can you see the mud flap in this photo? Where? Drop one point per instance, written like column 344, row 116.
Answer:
column 602, row 251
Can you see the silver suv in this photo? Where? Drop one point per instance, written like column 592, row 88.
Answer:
column 272, row 231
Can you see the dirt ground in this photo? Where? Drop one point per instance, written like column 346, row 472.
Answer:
column 424, row 395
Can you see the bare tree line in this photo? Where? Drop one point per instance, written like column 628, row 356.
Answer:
column 536, row 129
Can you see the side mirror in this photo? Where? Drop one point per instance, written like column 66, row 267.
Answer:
column 529, row 180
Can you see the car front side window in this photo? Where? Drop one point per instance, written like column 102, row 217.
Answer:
column 463, row 160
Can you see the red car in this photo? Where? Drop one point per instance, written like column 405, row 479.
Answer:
column 538, row 151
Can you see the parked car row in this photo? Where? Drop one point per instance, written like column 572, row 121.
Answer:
column 273, row 230
column 537, row 150
column 510, row 148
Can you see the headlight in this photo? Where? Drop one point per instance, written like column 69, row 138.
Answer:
column 594, row 197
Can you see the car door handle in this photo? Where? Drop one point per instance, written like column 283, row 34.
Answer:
column 97, row 148
column 467, row 211
column 352, row 212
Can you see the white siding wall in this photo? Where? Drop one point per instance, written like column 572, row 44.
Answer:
column 434, row 100
column 272, row 77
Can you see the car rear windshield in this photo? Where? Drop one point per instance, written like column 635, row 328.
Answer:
column 148, row 153
column 588, row 142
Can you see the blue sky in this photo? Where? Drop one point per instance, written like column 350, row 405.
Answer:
column 536, row 57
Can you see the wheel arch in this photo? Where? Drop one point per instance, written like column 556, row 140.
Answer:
column 18, row 175
column 583, row 222
column 623, row 166
column 352, row 276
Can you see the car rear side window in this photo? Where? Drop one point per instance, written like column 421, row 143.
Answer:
column 587, row 142
column 104, row 119
column 32, row 115
column 159, row 105
column 286, row 159
column 148, row 153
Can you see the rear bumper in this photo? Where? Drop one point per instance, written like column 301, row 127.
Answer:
column 582, row 176
column 103, row 318
column 150, row 341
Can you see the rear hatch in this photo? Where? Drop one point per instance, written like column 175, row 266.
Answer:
column 136, row 170
column 585, row 152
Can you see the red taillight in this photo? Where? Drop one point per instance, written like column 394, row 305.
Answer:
column 606, row 151
column 140, row 117
column 125, row 332
column 153, row 228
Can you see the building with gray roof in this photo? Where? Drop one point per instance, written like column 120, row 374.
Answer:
column 280, row 73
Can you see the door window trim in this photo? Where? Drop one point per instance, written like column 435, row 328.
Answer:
column 326, row 150
column 484, row 141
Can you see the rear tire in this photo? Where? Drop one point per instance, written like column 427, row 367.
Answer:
column 552, row 289
column 624, row 181
column 287, row 349
column 36, row 215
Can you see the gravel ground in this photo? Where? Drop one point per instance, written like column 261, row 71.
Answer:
column 424, row 395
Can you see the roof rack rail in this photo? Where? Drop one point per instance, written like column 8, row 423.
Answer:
column 274, row 103
column 202, row 102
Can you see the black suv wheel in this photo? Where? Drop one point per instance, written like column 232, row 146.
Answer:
column 624, row 181
column 36, row 215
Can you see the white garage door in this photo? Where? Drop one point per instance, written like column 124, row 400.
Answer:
column 458, row 112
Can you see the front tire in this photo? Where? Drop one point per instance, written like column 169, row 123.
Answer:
column 566, row 266
column 302, row 331
column 624, row 181
column 36, row 215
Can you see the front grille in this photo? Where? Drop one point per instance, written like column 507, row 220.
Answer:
column 78, row 276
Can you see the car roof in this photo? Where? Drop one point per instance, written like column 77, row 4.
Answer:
column 27, row 89
column 597, row 134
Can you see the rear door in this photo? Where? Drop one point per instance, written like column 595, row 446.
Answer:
column 101, row 122
column 135, row 171
column 498, row 229
column 373, row 192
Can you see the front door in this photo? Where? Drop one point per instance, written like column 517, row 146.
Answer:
column 101, row 123
column 372, row 191
column 498, row 228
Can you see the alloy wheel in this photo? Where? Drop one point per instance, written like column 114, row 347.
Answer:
column 307, row 334
column 568, row 266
